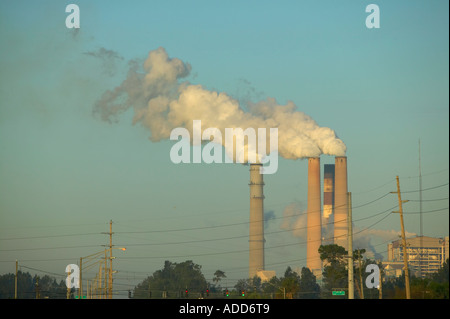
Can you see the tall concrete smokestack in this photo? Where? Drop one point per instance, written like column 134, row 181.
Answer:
column 340, row 202
column 314, row 218
column 256, row 233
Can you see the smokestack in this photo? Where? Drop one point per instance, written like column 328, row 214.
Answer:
column 328, row 190
column 328, row 204
column 256, row 233
column 314, row 218
column 340, row 202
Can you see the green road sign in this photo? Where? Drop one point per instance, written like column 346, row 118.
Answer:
column 338, row 293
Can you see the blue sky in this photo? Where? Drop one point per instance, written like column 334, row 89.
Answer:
column 64, row 171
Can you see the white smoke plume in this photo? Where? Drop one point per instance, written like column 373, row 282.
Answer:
column 363, row 239
column 295, row 221
column 162, row 101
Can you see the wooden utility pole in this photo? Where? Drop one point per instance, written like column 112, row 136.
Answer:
column 405, row 253
column 351, row 288
column 420, row 211
column 68, row 289
column 109, row 283
column 360, row 275
column 110, row 261
column 80, row 290
column 15, row 280
column 380, row 288
column 105, row 293
column 38, row 294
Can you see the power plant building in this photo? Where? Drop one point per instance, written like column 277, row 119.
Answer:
column 426, row 255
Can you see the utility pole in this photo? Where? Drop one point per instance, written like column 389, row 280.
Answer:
column 405, row 253
column 80, row 290
column 68, row 289
column 110, row 260
column 15, row 280
column 380, row 289
column 360, row 275
column 38, row 295
column 420, row 211
column 149, row 291
column 351, row 288
column 110, row 271
column 105, row 292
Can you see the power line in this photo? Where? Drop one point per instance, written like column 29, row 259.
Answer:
column 245, row 250
column 232, row 224
column 43, row 248
column 42, row 271
column 245, row 236
column 51, row 236
column 430, row 211
column 425, row 189
column 200, row 228
column 225, row 238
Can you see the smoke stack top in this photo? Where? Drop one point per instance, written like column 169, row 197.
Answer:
column 162, row 101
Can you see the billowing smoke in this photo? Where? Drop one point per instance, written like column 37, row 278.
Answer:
column 162, row 100
column 268, row 217
column 363, row 239
column 294, row 220
column 109, row 60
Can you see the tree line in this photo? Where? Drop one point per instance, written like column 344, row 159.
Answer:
column 186, row 280
column 31, row 287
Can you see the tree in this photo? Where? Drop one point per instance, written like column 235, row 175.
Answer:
column 333, row 253
column 442, row 275
column 242, row 284
column 334, row 272
column 439, row 285
column 272, row 288
column 27, row 285
column 172, row 281
column 218, row 275
column 309, row 289
column 290, row 283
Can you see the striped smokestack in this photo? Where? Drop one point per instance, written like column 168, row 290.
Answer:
column 328, row 190
column 328, row 204
column 314, row 218
column 340, row 202
column 256, row 233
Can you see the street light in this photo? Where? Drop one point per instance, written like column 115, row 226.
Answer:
column 90, row 257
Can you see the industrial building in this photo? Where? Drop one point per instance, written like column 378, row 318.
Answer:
column 426, row 255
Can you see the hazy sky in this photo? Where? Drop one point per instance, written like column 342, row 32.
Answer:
column 65, row 173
